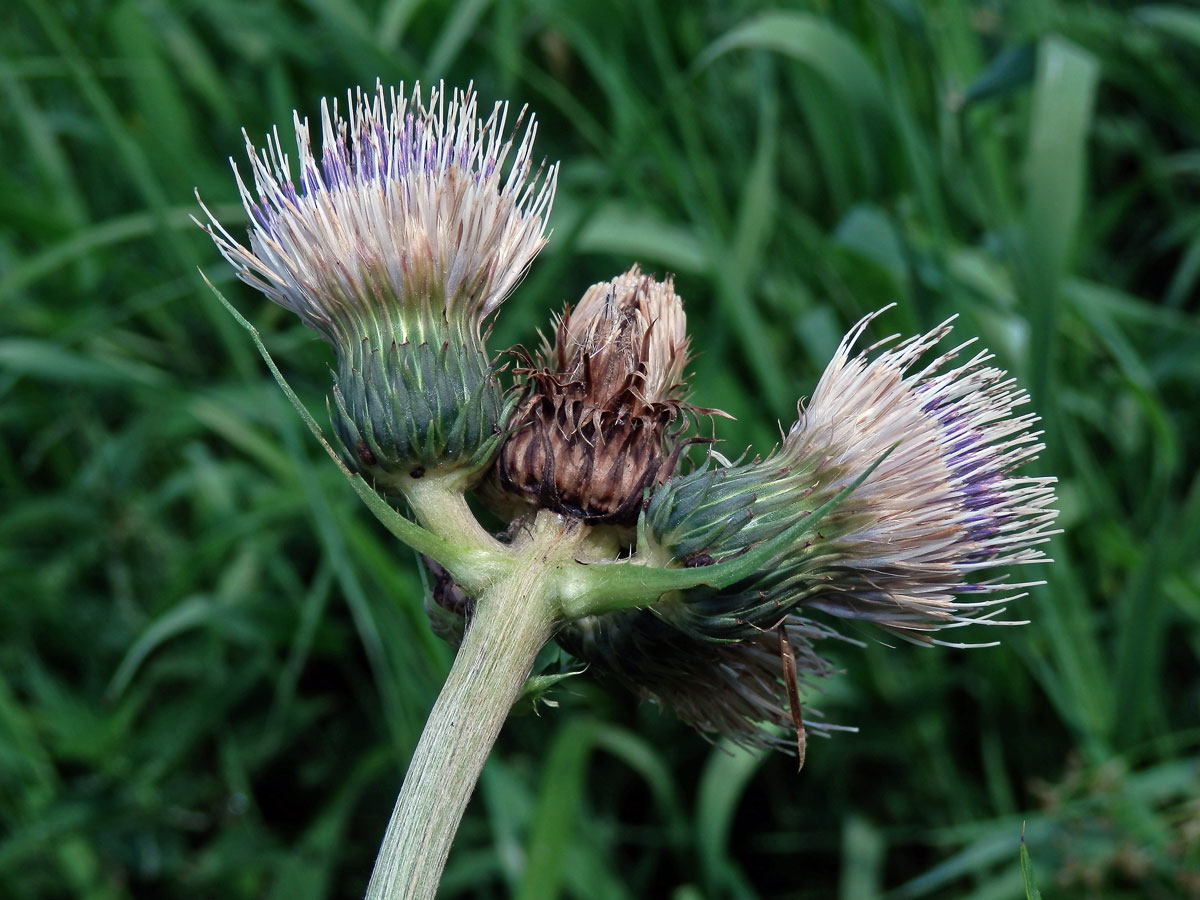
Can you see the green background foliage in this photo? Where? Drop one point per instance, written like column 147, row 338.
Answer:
column 215, row 663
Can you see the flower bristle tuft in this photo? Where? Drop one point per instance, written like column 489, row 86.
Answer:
column 412, row 214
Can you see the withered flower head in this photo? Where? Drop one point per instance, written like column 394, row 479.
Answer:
column 728, row 689
column 604, row 406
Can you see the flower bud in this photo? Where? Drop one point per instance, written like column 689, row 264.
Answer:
column 594, row 428
column 396, row 246
column 448, row 606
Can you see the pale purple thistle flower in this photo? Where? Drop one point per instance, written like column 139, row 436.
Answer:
column 943, row 505
column 407, row 219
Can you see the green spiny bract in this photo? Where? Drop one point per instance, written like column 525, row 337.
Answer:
column 409, row 408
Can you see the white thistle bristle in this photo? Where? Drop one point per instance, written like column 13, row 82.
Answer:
column 410, row 211
column 943, row 504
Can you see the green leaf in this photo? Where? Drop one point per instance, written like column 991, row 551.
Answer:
column 537, row 688
column 1011, row 70
column 562, row 787
column 726, row 775
column 559, row 800
column 816, row 43
column 1177, row 21
column 1027, row 875
column 180, row 618
column 1063, row 97
column 864, row 851
column 640, row 235
column 54, row 363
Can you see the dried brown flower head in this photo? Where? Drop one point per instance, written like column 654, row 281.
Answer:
column 604, row 406
column 720, row 688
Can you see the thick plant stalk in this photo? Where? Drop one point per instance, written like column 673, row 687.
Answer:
column 513, row 619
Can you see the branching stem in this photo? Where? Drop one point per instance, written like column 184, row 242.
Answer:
column 513, row 619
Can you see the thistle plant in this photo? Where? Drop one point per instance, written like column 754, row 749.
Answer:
column 703, row 584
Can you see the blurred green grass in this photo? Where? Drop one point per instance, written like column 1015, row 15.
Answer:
column 214, row 664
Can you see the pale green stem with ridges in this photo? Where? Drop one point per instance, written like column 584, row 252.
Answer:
column 439, row 503
column 514, row 617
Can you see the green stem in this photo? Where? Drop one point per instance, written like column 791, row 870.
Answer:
column 513, row 619
column 440, row 506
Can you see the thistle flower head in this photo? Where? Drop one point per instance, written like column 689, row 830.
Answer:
column 409, row 216
column 594, row 428
column 906, row 548
column 396, row 242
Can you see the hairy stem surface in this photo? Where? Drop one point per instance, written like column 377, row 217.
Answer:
column 513, row 619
